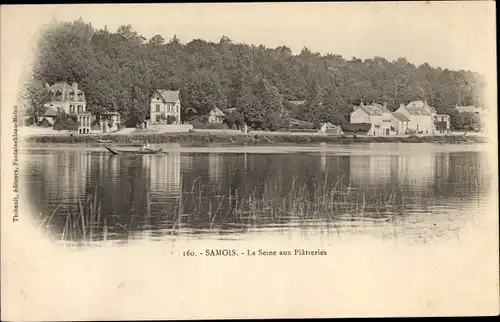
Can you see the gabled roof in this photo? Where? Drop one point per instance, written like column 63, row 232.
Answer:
column 168, row 96
column 217, row 112
column 420, row 108
column 50, row 112
column 62, row 85
column 374, row 109
column 400, row 117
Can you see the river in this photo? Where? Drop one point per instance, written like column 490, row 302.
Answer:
column 412, row 191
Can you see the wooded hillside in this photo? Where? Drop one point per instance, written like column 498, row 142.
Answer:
column 119, row 71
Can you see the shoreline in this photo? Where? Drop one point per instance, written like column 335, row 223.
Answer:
column 267, row 138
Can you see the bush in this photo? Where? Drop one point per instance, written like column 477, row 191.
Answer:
column 171, row 119
column 44, row 123
column 358, row 128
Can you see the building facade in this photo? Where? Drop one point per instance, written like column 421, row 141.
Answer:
column 109, row 121
column 399, row 123
column 423, row 119
column 375, row 114
column 216, row 116
column 165, row 107
column 70, row 100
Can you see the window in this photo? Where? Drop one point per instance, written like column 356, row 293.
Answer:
column 72, row 108
column 157, row 107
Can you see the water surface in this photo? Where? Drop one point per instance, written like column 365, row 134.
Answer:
column 412, row 191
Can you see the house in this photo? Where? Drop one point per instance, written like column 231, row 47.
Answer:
column 422, row 118
column 469, row 109
column 399, row 123
column 165, row 107
column 109, row 121
column 70, row 100
column 375, row 114
column 330, row 128
column 216, row 116
column 50, row 115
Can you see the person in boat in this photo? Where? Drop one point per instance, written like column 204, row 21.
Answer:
column 146, row 146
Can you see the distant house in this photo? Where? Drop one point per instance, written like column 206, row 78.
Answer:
column 165, row 107
column 399, row 123
column 109, row 121
column 295, row 123
column 216, row 116
column 375, row 114
column 422, row 118
column 330, row 128
column 71, row 100
column 50, row 115
column 469, row 109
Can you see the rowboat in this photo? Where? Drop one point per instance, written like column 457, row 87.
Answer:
column 115, row 152
column 104, row 141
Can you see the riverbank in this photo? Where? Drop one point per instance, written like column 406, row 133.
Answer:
column 207, row 137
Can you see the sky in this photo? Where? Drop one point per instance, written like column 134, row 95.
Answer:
column 453, row 35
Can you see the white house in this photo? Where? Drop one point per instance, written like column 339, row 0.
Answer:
column 423, row 117
column 377, row 115
column 165, row 105
column 71, row 100
column 419, row 115
column 469, row 109
column 330, row 128
column 216, row 116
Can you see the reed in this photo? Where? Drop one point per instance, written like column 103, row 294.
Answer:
column 325, row 201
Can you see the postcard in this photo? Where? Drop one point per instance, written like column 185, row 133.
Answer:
column 249, row 160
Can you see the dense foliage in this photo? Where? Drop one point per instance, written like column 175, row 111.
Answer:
column 120, row 70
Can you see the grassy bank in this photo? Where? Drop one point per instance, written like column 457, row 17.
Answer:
column 251, row 138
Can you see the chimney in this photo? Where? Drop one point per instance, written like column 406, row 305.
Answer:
column 63, row 93
column 47, row 86
column 361, row 104
column 401, row 105
column 74, row 86
column 385, row 104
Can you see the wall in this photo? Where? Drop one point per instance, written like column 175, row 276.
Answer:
column 360, row 116
column 420, row 122
column 172, row 128
column 213, row 119
column 400, row 126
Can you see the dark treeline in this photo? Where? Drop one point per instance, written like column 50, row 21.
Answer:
column 120, row 70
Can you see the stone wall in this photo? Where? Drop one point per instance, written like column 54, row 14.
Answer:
column 172, row 128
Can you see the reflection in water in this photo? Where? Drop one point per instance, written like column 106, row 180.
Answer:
column 152, row 195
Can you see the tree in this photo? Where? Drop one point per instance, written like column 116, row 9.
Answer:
column 35, row 95
column 119, row 70
column 66, row 122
